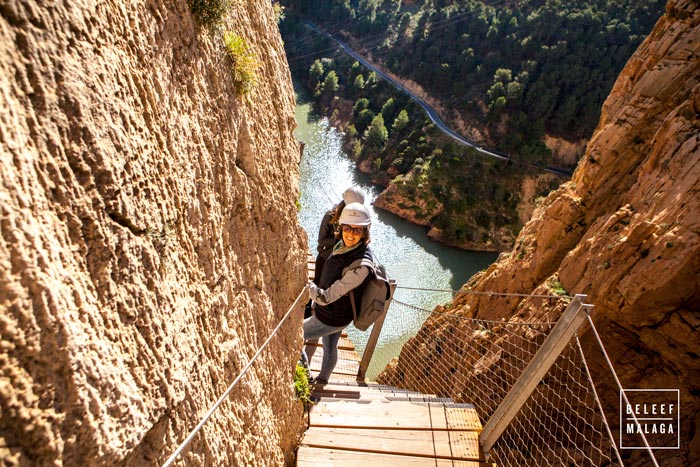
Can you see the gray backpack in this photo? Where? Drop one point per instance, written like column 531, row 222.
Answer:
column 376, row 297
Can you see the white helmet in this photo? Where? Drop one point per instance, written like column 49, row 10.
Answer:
column 353, row 195
column 355, row 214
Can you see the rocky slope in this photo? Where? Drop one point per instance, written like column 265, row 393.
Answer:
column 626, row 232
column 415, row 207
column 149, row 236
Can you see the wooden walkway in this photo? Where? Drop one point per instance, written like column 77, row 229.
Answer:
column 360, row 424
column 366, row 424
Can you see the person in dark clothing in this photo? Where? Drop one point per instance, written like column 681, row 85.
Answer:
column 327, row 231
column 331, row 309
column 328, row 234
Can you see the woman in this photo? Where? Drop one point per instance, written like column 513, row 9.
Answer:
column 328, row 233
column 331, row 308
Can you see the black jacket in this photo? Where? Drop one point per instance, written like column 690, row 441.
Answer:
column 339, row 312
column 326, row 235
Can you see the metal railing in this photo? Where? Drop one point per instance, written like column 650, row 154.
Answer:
column 572, row 318
column 233, row 384
column 529, row 382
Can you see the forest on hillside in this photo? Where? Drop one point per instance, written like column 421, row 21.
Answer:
column 554, row 60
column 515, row 70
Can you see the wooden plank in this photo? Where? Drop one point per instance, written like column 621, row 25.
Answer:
column 314, row 457
column 346, row 367
column 361, row 389
column 456, row 419
column 402, row 415
column 344, row 344
column 372, row 387
column 335, row 391
column 462, row 445
column 343, row 354
column 389, row 391
column 339, row 377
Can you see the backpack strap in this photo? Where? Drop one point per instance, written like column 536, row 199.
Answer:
column 359, row 263
column 352, row 302
column 354, row 265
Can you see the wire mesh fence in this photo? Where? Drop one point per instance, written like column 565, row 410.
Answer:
column 478, row 361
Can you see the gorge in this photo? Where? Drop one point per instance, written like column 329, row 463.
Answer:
column 150, row 241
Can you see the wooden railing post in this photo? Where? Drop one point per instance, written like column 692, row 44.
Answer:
column 373, row 338
column 570, row 321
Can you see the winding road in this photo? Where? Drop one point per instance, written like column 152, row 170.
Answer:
column 432, row 114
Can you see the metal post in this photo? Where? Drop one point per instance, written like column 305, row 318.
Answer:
column 570, row 321
column 374, row 338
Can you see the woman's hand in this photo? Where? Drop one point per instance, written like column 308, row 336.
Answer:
column 313, row 290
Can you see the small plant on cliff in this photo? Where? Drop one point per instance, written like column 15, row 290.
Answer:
column 245, row 63
column 301, row 385
column 557, row 287
column 279, row 12
column 208, row 12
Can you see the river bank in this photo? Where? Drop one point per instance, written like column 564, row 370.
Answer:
column 463, row 197
column 426, row 271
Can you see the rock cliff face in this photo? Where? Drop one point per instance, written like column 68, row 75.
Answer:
column 626, row 230
column 149, row 236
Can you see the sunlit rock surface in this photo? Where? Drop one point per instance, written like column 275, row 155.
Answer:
column 149, row 236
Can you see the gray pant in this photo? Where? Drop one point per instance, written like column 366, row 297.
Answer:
column 330, row 335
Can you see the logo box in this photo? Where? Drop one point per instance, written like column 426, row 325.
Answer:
column 651, row 414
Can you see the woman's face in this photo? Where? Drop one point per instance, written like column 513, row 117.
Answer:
column 352, row 234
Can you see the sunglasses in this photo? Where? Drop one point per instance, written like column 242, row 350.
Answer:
column 355, row 230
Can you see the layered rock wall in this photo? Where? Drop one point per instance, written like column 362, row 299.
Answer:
column 626, row 232
column 149, row 236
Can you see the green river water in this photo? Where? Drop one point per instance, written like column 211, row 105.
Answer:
column 409, row 255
